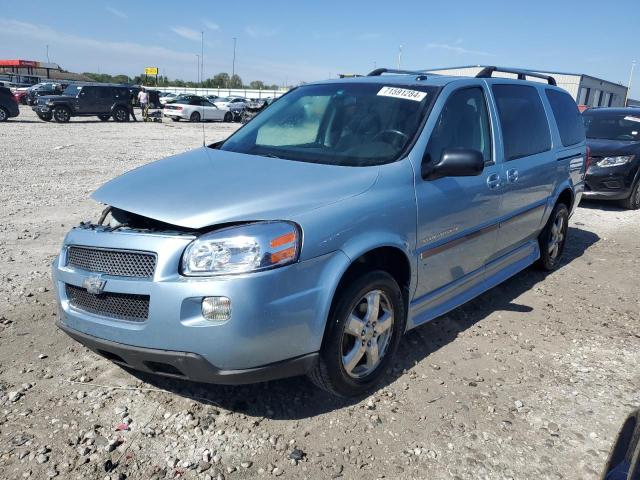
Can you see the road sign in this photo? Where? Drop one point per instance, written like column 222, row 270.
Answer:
column 151, row 71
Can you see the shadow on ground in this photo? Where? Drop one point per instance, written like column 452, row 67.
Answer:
column 606, row 205
column 297, row 398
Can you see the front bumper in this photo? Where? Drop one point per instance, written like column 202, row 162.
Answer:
column 41, row 109
column 610, row 183
column 187, row 365
column 277, row 315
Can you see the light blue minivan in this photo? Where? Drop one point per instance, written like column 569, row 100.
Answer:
column 346, row 213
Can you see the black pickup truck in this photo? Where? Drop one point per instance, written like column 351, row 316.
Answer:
column 102, row 100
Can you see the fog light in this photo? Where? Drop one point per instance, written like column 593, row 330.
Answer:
column 216, row 308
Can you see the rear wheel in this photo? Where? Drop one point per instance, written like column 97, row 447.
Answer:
column 553, row 238
column 61, row 114
column 195, row 117
column 104, row 117
column 120, row 114
column 365, row 327
column 4, row 114
column 633, row 201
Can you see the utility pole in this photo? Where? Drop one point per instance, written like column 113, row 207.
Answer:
column 202, row 58
column 399, row 57
column 47, row 53
column 626, row 98
column 233, row 65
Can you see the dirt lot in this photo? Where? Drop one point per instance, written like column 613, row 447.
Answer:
column 529, row 381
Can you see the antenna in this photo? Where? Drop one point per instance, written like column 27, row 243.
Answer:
column 204, row 141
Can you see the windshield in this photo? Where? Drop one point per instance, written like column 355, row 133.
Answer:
column 612, row 126
column 72, row 90
column 350, row 124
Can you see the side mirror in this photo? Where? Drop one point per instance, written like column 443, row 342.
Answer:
column 455, row 162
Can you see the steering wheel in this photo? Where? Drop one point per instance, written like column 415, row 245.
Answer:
column 398, row 137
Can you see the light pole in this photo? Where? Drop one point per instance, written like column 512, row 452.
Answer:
column 233, row 64
column 202, row 58
column 47, row 53
column 198, row 68
column 633, row 66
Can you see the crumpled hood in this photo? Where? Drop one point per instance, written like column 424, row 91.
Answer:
column 612, row 147
column 205, row 187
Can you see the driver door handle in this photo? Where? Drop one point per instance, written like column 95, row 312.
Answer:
column 512, row 175
column 493, row 181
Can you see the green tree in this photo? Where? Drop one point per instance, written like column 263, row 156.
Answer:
column 235, row 81
column 221, row 80
column 257, row 85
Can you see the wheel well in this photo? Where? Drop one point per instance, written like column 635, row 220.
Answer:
column 566, row 197
column 389, row 259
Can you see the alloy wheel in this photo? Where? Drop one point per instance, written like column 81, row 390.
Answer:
column 367, row 334
column 3, row 115
column 556, row 237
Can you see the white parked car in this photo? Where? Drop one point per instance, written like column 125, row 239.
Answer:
column 232, row 103
column 167, row 98
column 196, row 109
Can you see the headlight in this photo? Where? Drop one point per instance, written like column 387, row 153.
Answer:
column 614, row 161
column 245, row 248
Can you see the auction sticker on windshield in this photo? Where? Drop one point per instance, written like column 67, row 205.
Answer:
column 402, row 93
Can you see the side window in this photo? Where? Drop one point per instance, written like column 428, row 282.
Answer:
column 105, row 93
column 463, row 123
column 567, row 117
column 525, row 130
column 88, row 93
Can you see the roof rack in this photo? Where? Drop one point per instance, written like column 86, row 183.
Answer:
column 379, row 71
column 486, row 72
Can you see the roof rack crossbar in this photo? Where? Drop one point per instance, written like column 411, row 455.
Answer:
column 379, row 71
column 487, row 72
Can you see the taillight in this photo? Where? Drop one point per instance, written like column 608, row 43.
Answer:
column 587, row 160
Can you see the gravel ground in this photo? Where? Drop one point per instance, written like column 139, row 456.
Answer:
column 529, row 381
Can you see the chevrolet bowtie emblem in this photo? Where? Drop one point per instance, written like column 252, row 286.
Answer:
column 94, row 285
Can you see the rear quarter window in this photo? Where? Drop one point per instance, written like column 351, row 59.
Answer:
column 525, row 130
column 567, row 115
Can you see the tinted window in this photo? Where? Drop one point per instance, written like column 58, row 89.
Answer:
column 88, row 92
column 463, row 123
column 567, row 117
column 105, row 93
column 524, row 124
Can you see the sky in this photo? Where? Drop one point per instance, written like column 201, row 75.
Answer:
column 288, row 42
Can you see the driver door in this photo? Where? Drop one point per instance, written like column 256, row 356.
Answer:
column 457, row 229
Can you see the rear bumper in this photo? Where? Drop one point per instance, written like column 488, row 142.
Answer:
column 187, row 365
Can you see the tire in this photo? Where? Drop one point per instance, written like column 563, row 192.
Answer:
column 47, row 117
column 104, row 117
column 120, row 114
column 175, row 119
column 228, row 117
column 632, row 202
column 61, row 114
column 553, row 238
column 346, row 365
column 4, row 114
column 195, row 117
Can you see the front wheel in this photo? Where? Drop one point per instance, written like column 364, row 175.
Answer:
column 553, row 238
column 632, row 202
column 61, row 114
column 366, row 324
column 47, row 117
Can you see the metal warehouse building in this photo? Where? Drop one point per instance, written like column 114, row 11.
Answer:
column 585, row 89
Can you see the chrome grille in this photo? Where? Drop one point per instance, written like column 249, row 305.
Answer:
column 121, row 306
column 121, row 263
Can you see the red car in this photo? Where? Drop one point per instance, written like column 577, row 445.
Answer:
column 20, row 96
